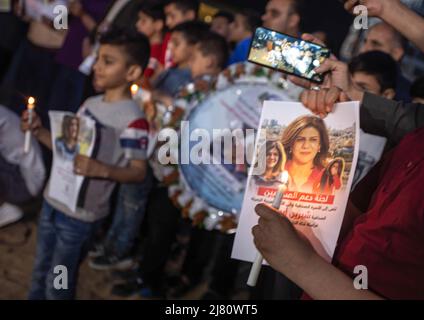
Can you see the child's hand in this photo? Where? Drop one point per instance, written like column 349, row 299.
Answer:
column 35, row 125
column 87, row 167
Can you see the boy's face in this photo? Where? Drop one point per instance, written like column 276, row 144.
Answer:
column 221, row 26
column 180, row 49
column 111, row 69
column 237, row 29
column 370, row 84
column 145, row 25
column 199, row 63
column 175, row 16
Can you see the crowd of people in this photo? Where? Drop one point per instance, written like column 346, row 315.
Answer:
column 127, row 223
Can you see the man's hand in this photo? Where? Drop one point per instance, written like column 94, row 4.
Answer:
column 375, row 7
column 278, row 241
column 85, row 166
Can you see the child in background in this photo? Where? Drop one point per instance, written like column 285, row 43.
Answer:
column 241, row 32
column 209, row 56
column 177, row 12
column 65, row 235
column 151, row 22
column 221, row 23
column 183, row 39
column 417, row 91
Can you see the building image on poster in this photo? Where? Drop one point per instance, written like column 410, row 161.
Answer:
column 71, row 135
column 319, row 157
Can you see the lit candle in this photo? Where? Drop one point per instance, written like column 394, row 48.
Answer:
column 257, row 264
column 30, row 108
column 134, row 91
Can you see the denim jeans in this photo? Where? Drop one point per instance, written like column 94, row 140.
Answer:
column 64, row 241
column 128, row 216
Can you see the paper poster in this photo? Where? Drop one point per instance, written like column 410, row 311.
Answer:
column 319, row 157
column 5, row 5
column 71, row 135
column 370, row 151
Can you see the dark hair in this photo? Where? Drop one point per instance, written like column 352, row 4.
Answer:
column 192, row 31
column 252, row 19
column 185, row 5
column 224, row 14
column 296, row 127
column 378, row 64
column 66, row 124
column 212, row 44
column 153, row 10
column 327, row 177
column 417, row 88
column 135, row 45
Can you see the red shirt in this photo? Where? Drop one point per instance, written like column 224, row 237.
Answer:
column 157, row 56
column 389, row 238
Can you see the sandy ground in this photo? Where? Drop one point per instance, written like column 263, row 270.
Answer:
column 17, row 251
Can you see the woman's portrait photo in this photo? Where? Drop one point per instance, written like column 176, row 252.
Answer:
column 67, row 143
column 331, row 179
column 306, row 143
column 274, row 156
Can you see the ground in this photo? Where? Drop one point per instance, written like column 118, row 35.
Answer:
column 17, row 251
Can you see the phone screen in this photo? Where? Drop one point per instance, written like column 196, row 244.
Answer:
column 287, row 54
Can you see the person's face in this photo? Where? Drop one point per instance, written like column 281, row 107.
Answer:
column 272, row 158
column 335, row 169
column 111, row 68
column 145, row 25
column 380, row 38
column 199, row 63
column 277, row 16
column 221, row 26
column 174, row 16
column 369, row 83
column 238, row 30
column 73, row 129
column 180, row 49
column 306, row 146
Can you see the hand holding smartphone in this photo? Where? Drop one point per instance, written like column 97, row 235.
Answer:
column 287, row 54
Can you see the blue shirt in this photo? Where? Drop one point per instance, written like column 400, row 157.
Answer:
column 241, row 52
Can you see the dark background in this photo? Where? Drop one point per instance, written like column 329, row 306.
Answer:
column 318, row 15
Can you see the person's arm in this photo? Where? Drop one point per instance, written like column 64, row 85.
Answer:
column 133, row 173
column 398, row 15
column 286, row 252
column 390, row 118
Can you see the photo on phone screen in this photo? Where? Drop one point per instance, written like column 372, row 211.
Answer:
column 287, row 54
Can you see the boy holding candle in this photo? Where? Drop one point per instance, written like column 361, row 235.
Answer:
column 65, row 235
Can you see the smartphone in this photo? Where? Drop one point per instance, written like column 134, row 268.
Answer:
column 287, row 54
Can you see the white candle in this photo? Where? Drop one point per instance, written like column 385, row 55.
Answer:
column 30, row 108
column 257, row 264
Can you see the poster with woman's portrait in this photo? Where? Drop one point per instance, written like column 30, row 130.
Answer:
column 315, row 158
column 71, row 135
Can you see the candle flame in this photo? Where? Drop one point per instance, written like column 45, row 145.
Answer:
column 31, row 103
column 134, row 89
